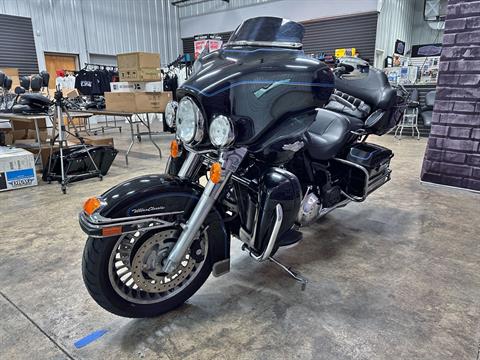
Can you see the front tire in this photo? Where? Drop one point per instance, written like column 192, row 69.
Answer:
column 96, row 265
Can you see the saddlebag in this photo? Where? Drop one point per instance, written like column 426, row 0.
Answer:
column 77, row 162
column 372, row 160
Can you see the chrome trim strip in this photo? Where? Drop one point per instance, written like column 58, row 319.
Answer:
column 97, row 219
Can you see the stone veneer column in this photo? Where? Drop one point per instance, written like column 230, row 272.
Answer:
column 453, row 150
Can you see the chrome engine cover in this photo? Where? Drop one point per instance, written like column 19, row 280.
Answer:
column 310, row 209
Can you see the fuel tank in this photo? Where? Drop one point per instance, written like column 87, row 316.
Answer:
column 258, row 87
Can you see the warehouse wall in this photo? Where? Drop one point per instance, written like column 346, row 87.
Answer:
column 403, row 20
column 422, row 32
column 395, row 21
column 298, row 10
column 103, row 27
column 209, row 6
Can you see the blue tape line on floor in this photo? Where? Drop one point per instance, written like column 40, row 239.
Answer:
column 89, row 338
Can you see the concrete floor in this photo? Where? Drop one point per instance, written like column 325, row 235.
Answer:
column 396, row 277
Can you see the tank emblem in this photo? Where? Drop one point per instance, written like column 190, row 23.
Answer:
column 297, row 145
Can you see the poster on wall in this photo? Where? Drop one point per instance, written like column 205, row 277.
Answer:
column 345, row 52
column 399, row 47
column 207, row 41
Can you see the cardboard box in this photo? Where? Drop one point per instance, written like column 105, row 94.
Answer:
column 138, row 102
column 10, row 71
column 138, row 60
column 120, row 101
column 154, row 102
column 19, row 125
column 71, row 93
column 17, row 168
column 123, row 86
column 140, row 74
column 93, row 140
column 32, row 134
column 6, row 136
column 154, row 86
column 44, row 153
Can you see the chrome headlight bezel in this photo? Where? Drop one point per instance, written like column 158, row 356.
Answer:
column 171, row 113
column 228, row 137
column 198, row 121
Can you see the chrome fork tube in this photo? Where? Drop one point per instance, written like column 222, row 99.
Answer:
column 210, row 194
column 190, row 165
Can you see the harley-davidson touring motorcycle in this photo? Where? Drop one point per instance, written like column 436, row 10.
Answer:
column 268, row 140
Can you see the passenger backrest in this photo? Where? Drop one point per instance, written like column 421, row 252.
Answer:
column 374, row 89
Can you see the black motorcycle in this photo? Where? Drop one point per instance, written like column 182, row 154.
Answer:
column 268, row 140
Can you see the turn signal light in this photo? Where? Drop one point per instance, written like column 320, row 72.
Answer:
column 174, row 152
column 112, row 230
column 216, row 172
column 91, row 205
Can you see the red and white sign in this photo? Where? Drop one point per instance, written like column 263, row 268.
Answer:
column 210, row 42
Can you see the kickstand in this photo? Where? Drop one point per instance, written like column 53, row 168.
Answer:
column 297, row 276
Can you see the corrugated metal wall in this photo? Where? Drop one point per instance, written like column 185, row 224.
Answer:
column 356, row 31
column 200, row 7
column 403, row 20
column 101, row 27
column 329, row 34
column 395, row 21
column 17, row 46
column 422, row 32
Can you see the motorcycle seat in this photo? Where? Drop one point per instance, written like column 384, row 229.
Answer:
column 329, row 133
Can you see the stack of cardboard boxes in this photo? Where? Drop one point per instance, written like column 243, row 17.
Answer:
column 140, row 87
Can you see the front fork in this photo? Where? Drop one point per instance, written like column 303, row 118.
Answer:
column 207, row 200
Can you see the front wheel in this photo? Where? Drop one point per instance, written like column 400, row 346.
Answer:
column 124, row 274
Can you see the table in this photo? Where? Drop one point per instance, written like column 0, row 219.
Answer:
column 84, row 116
column 29, row 118
column 129, row 117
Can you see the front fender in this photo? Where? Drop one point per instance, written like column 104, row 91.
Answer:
column 153, row 195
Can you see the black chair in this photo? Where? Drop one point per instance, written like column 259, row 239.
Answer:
column 427, row 110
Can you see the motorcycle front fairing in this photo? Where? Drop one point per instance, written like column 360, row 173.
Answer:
column 257, row 82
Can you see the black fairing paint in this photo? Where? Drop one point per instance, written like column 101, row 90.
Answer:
column 164, row 193
column 258, row 88
column 278, row 186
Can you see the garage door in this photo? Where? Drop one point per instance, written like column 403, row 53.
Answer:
column 17, row 45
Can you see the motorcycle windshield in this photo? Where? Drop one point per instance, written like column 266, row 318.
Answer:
column 268, row 31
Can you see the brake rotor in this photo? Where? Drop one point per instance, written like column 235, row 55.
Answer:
column 148, row 262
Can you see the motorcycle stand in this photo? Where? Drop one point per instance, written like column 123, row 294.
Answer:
column 296, row 275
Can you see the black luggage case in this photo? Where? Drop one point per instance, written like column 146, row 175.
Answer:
column 77, row 163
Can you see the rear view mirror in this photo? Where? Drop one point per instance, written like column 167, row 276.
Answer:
column 19, row 90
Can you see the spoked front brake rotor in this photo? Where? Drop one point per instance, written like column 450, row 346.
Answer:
column 136, row 262
column 149, row 259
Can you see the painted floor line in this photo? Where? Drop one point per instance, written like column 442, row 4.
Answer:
column 89, row 338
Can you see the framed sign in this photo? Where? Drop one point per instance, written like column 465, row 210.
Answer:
column 399, row 47
column 209, row 41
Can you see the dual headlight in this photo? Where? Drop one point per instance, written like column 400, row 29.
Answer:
column 191, row 124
